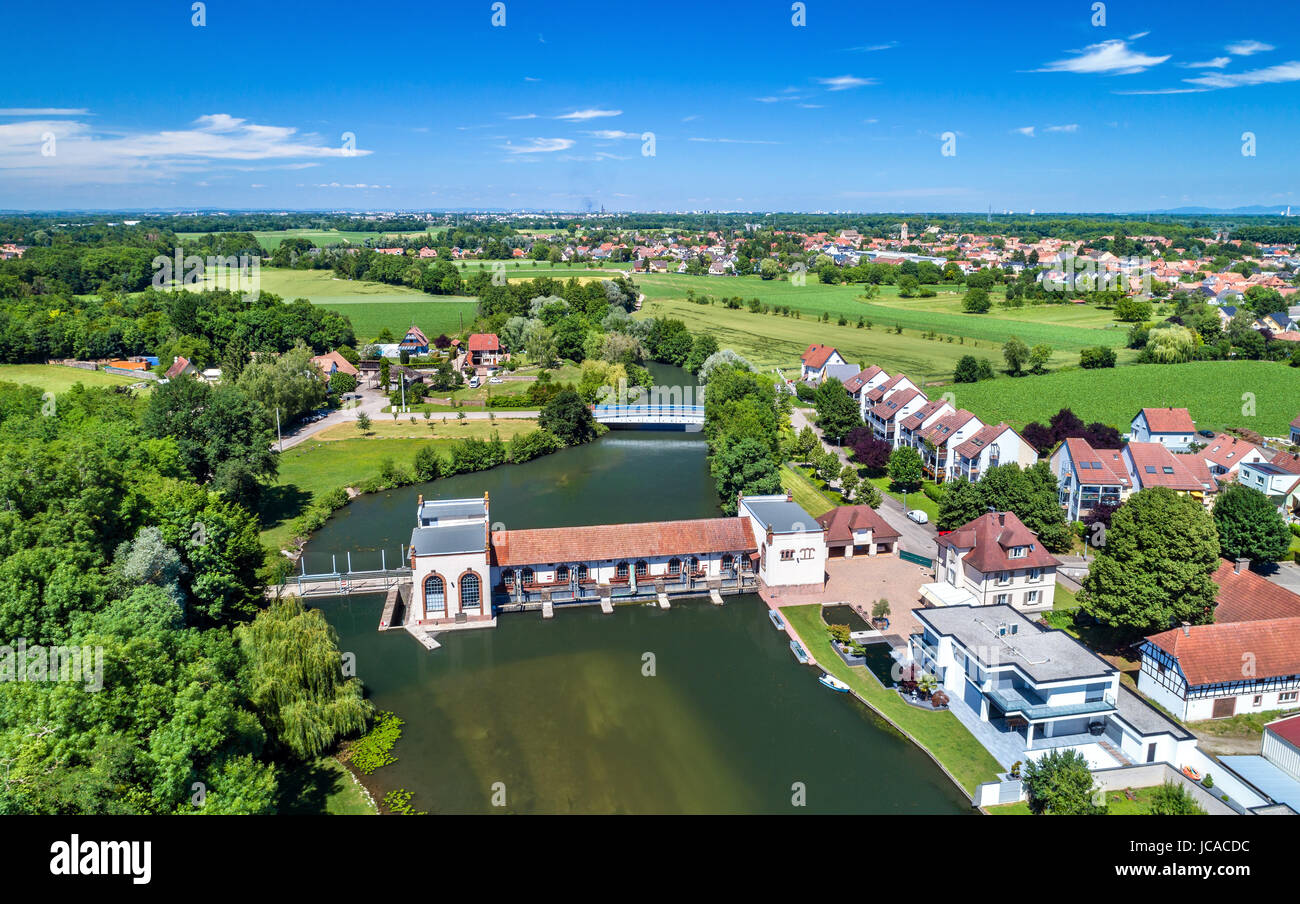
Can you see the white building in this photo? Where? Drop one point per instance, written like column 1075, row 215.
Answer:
column 1277, row 481
column 791, row 544
column 989, row 447
column 938, row 443
column 993, row 561
column 1171, row 427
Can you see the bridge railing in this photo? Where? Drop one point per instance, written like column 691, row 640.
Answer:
column 640, row 411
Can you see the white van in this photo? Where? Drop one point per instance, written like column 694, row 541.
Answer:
column 473, row 382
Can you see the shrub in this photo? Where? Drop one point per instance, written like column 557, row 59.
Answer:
column 1099, row 356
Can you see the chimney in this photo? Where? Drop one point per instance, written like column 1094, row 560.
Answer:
column 1187, row 629
column 1242, row 562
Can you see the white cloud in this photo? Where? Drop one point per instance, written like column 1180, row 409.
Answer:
column 582, row 115
column 523, row 116
column 1283, row 72
column 612, row 134
column 1246, row 48
column 44, row 111
column 1068, row 127
column 872, row 48
column 1112, row 57
column 1216, row 63
column 1027, row 131
column 541, row 146
column 844, row 82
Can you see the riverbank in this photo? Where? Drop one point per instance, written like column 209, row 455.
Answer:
column 939, row 734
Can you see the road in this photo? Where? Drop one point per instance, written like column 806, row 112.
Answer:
column 917, row 538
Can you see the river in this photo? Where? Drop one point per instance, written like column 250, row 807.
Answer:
column 698, row 709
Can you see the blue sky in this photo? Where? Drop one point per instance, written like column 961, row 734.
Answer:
column 748, row 112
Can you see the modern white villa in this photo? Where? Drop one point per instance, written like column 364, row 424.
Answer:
column 1023, row 689
column 993, row 561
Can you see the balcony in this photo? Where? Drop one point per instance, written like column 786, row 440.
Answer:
column 1013, row 703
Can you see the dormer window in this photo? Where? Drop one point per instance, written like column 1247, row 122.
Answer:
column 1019, row 552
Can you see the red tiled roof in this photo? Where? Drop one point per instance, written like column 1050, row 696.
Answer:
column 1101, row 467
column 1288, row 461
column 484, row 342
column 1287, row 729
column 920, row 415
column 888, row 409
column 415, row 337
column 943, row 429
column 841, row 521
column 1210, row 654
column 885, row 388
column 177, row 368
column 1169, row 420
column 622, row 541
column 990, row 536
column 816, row 356
column 858, row 380
column 1156, row 466
column 340, row 363
column 1245, row 596
column 980, row 439
column 1227, row 451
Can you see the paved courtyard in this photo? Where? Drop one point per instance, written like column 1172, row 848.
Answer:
column 862, row 580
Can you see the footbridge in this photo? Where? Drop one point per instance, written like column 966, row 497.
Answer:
column 650, row 417
column 349, row 580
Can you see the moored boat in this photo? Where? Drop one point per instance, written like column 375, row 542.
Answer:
column 777, row 621
column 799, row 652
column 833, row 683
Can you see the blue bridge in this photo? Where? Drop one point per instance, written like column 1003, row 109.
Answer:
column 650, row 417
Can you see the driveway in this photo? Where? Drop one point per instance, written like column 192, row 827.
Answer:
column 917, row 538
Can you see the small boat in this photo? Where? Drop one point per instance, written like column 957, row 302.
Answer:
column 799, row 652
column 777, row 621
column 834, row 683
column 1191, row 773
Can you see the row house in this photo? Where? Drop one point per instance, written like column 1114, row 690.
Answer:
column 929, row 414
column 872, row 397
column 938, row 443
column 1153, row 465
column 866, row 380
column 884, row 416
column 992, row 446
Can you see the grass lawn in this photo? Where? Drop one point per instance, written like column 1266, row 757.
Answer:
column 916, row 500
column 1064, row 598
column 1117, row 804
column 939, row 732
column 805, row 492
column 271, row 239
column 56, row 379
column 442, row 429
column 1211, row 390
column 323, row 787
column 1242, row 725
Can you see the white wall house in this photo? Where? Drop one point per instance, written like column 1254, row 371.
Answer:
column 1200, row 671
column 1088, row 477
column 991, row 446
column 791, row 544
column 938, row 443
column 871, row 397
column 863, row 382
column 451, row 578
column 993, row 561
column 1280, row 485
column 911, row 427
column 1171, row 427
column 1224, row 455
column 815, row 360
column 885, row 416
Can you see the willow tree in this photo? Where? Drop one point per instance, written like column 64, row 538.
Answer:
column 296, row 681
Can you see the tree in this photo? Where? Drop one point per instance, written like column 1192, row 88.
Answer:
column 849, row 481
column 428, row 463
column 961, row 503
column 1172, row 799
column 568, row 419
column 1249, row 525
column 1039, row 355
column 828, row 466
column 1060, row 783
column 1156, row 564
column 745, row 466
column 871, row 453
column 968, row 370
column 1171, row 344
column 806, row 443
column 363, row 423
column 289, row 382
column 1016, row 354
column 976, row 300
column 837, row 413
column 1097, row 356
column 905, row 471
column 295, row 679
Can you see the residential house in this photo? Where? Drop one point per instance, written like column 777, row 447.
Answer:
column 938, row 443
column 1245, row 596
column 484, row 350
column 791, row 544
column 913, row 425
column 1279, row 322
column 993, row 561
column 991, row 446
column 1224, row 455
column 1151, row 464
column 869, row 398
column 180, row 365
column 1171, row 427
column 1278, row 479
column 884, row 416
column 857, row 530
column 815, row 360
column 866, row 380
column 331, row 363
column 414, row 343
column 1089, row 477
column 1023, row 689
column 1219, row 670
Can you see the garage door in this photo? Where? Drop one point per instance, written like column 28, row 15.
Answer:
column 1224, row 707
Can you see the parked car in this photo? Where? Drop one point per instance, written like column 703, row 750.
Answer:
column 1207, row 433
column 918, row 516
column 496, row 380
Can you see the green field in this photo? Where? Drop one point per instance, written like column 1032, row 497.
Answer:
column 56, row 379
column 373, row 306
column 1211, row 390
column 271, row 239
column 769, row 340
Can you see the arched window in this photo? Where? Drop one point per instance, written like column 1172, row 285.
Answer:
column 729, row 563
column 641, row 568
column 528, row 577
column 582, row 572
column 693, row 563
column 674, row 566
column 469, row 591
column 620, row 570
column 508, row 578
column 562, row 574
column 435, row 597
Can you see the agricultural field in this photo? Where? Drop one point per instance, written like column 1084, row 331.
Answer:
column 56, row 379
column 271, row 239
column 769, row 340
column 1212, row 390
